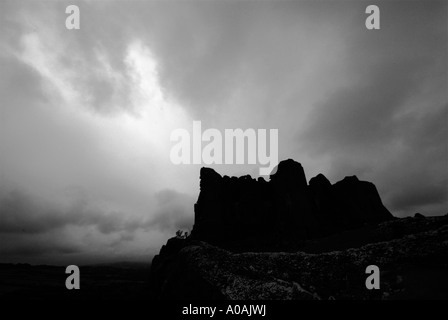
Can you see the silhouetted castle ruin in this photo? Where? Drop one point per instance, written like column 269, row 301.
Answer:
column 242, row 211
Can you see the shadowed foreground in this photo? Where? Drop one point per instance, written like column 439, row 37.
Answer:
column 102, row 282
column 412, row 257
column 286, row 239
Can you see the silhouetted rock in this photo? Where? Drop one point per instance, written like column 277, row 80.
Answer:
column 244, row 213
column 359, row 202
column 419, row 216
column 289, row 175
column 247, row 235
column 320, row 182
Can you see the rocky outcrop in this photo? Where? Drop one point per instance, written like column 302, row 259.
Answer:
column 289, row 240
column 244, row 213
column 412, row 255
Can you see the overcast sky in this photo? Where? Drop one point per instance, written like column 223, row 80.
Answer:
column 86, row 115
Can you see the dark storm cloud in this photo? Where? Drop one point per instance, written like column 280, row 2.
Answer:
column 415, row 196
column 389, row 125
column 100, row 44
column 210, row 53
column 174, row 211
column 346, row 101
column 387, row 70
column 32, row 227
column 22, row 81
column 23, row 214
column 20, row 245
column 417, row 179
column 361, row 116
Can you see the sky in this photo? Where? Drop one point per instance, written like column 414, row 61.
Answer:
column 86, row 115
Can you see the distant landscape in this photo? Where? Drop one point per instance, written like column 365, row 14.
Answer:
column 121, row 280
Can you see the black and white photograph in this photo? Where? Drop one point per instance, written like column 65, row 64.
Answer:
column 232, row 152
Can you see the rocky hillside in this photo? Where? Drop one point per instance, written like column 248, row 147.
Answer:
column 413, row 266
column 286, row 239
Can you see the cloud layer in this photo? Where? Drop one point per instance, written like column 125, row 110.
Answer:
column 86, row 115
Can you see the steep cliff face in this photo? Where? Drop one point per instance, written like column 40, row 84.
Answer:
column 248, row 213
